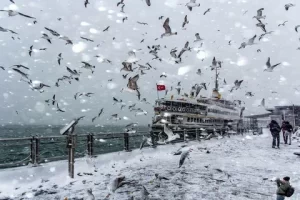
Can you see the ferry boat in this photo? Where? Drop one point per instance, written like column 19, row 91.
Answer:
column 212, row 114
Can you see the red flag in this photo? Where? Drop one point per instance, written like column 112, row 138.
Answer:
column 160, row 87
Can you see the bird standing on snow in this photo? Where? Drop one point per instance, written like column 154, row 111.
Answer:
column 90, row 195
column 183, row 156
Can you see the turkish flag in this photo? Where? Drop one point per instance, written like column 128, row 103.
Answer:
column 160, row 87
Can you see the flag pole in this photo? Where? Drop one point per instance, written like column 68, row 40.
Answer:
column 157, row 91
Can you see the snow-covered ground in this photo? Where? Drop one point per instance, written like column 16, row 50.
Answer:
column 240, row 167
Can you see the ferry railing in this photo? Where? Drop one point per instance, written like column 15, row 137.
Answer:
column 42, row 149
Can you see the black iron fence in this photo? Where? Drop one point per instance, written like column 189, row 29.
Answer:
column 36, row 150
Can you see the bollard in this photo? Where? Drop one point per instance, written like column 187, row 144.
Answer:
column 37, row 151
column 126, row 141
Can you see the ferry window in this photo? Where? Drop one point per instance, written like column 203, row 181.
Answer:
column 188, row 119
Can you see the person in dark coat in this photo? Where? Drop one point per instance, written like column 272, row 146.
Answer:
column 275, row 130
column 282, row 187
column 288, row 133
column 283, row 128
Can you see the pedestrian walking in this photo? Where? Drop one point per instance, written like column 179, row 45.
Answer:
column 275, row 130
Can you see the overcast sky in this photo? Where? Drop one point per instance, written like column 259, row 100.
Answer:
column 225, row 22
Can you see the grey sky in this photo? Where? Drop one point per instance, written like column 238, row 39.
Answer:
column 226, row 16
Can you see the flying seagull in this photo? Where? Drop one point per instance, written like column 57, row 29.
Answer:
column 259, row 14
column 296, row 28
column 183, row 156
column 287, row 6
column 208, row 10
column 283, row 24
column 270, row 67
column 168, row 31
column 59, row 58
column 185, row 22
column 142, row 23
column 127, row 67
column 121, row 2
column 264, row 34
column 106, row 29
column 21, row 66
column 186, row 48
column 198, row 38
column 250, row 42
column 192, row 4
column 58, row 108
column 54, row 33
column 87, row 39
column 21, row 73
column 6, row 30
column 148, row 2
column 1, row 67
column 86, row 2
column 12, row 13
column 30, row 50
column 46, row 37
column 132, row 82
column 261, row 25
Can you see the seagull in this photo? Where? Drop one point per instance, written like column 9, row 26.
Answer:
column 20, row 66
column 148, row 2
column 59, row 58
column 115, row 117
column 87, row 39
column 117, row 100
column 124, row 18
column 86, row 2
column 37, row 85
column 287, row 6
column 6, row 30
column 142, row 23
column 186, row 48
column 173, row 54
column 21, row 73
column 54, row 33
column 121, row 2
column 262, row 35
column 199, row 72
column 250, row 42
column 296, row 28
column 249, row 94
column 12, row 1
column 168, row 31
column 183, row 156
column 127, row 67
column 66, row 39
column 88, row 66
column 144, row 194
column 192, row 4
column 90, row 195
column 1, row 67
column 259, row 14
column 30, row 50
column 283, row 24
column 198, row 38
column 53, row 100
column 270, row 67
column 46, row 37
column 214, row 64
column 163, row 76
column 12, row 13
column 237, row 85
column 185, row 21
column 262, row 103
column 122, row 9
column 208, row 10
column 73, row 72
column 132, row 82
column 262, row 26
column 43, row 49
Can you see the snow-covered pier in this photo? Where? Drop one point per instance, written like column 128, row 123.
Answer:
column 239, row 167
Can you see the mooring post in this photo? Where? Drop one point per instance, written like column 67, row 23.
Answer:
column 126, row 141
column 32, row 150
column 37, row 151
column 71, row 154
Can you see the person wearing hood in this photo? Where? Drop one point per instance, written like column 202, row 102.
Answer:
column 282, row 187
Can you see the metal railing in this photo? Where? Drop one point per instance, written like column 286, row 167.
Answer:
column 36, row 150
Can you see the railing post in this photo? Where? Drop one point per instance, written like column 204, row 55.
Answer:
column 32, row 150
column 71, row 154
column 37, row 151
column 126, row 141
column 90, row 144
column 184, row 133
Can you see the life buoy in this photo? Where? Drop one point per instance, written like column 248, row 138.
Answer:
column 183, row 109
column 174, row 109
column 169, row 108
column 179, row 109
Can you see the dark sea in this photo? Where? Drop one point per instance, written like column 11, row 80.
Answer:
column 18, row 152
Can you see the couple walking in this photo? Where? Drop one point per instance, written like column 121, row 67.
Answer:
column 275, row 129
